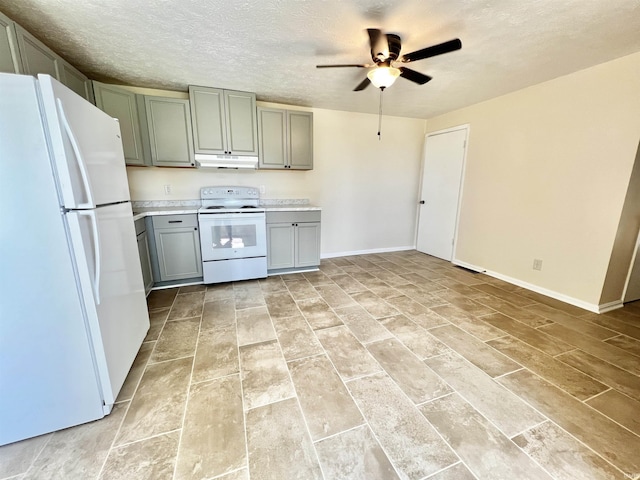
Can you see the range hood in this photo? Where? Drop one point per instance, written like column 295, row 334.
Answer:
column 226, row 161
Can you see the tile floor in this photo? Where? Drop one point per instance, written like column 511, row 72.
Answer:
column 384, row 366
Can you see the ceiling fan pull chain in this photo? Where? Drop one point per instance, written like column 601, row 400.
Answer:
column 380, row 115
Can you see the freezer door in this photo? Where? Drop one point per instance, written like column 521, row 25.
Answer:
column 86, row 148
column 106, row 253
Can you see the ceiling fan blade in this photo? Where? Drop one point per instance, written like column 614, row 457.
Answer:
column 362, row 85
column 359, row 65
column 433, row 50
column 379, row 45
column 414, row 76
column 394, row 46
column 374, row 36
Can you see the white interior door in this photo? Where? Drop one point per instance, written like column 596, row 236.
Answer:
column 441, row 183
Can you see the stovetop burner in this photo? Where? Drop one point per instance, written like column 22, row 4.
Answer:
column 221, row 207
column 229, row 198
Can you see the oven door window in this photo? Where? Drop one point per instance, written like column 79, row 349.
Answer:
column 232, row 236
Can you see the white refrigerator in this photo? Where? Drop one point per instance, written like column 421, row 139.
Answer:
column 73, row 312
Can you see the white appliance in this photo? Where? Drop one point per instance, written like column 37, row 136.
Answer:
column 72, row 304
column 233, row 238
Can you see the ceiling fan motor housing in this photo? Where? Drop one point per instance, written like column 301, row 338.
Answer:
column 386, row 49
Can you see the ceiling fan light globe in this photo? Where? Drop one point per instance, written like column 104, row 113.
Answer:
column 383, row 77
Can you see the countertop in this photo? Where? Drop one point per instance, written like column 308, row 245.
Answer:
column 141, row 212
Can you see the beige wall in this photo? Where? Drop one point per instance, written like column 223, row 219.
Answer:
column 546, row 177
column 367, row 189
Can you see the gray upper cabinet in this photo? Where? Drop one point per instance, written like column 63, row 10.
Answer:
column 9, row 54
column 21, row 52
column 75, row 80
column 224, row 121
column 272, row 137
column 124, row 105
column 300, row 139
column 36, row 56
column 170, row 135
column 285, row 138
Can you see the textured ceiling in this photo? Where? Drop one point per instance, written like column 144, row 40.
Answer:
column 271, row 47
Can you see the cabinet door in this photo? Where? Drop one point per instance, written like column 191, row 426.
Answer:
column 121, row 104
column 178, row 253
column 242, row 127
column 9, row 53
column 76, row 81
column 300, row 140
column 170, row 133
column 145, row 262
column 36, row 56
column 272, row 137
column 307, row 244
column 208, row 120
column 280, row 245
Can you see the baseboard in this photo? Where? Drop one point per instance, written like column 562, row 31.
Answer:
column 607, row 307
column 592, row 307
column 365, row 252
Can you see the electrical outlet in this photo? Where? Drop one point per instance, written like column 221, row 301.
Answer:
column 262, row 189
column 167, row 189
column 537, row 264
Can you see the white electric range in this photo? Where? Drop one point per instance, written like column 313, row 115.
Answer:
column 233, row 237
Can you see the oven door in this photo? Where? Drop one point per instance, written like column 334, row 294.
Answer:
column 225, row 236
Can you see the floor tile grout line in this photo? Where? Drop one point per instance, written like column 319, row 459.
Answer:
column 242, row 395
column 599, row 380
column 559, row 426
column 586, row 400
column 304, row 418
column 140, row 440
column 434, row 474
column 170, row 359
column 605, row 360
column 35, row 458
column 188, row 394
column 546, row 420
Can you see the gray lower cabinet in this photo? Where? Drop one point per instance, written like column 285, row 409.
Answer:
column 177, row 242
column 125, row 106
column 143, row 252
column 285, row 138
column 224, row 121
column 170, row 135
column 293, row 240
column 9, row 53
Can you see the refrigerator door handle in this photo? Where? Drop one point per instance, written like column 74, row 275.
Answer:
column 98, row 256
column 76, row 150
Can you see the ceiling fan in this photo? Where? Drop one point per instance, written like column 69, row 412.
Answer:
column 385, row 53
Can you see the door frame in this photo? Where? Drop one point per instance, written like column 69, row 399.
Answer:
column 467, row 128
